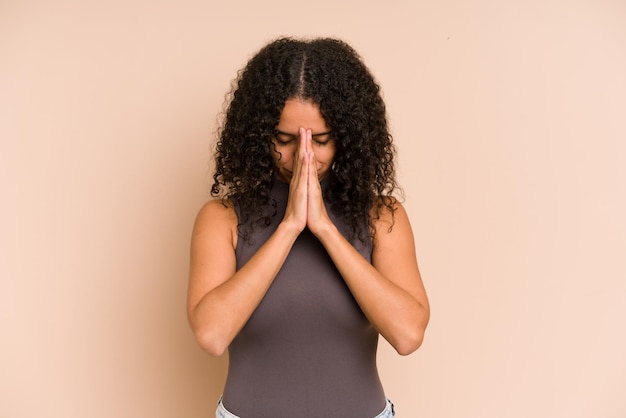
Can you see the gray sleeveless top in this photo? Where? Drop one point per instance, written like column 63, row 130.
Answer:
column 307, row 350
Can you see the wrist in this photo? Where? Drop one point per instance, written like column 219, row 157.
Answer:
column 324, row 230
column 290, row 227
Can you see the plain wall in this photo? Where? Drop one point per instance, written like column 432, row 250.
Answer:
column 509, row 117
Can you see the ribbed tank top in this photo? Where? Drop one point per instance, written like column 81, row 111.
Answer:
column 307, row 350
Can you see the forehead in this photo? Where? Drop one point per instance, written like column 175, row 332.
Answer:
column 301, row 113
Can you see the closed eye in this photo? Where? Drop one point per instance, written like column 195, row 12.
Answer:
column 284, row 138
column 322, row 138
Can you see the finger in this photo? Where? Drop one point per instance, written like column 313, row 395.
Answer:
column 315, row 205
column 309, row 141
column 306, row 169
column 302, row 145
column 313, row 178
column 298, row 160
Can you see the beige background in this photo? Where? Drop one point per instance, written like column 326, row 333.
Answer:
column 510, row 121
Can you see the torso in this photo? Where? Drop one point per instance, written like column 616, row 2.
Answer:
column 307, row 350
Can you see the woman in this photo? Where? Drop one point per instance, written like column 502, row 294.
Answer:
column 306, row 257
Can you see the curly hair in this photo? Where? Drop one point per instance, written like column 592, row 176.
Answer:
column 331, row 74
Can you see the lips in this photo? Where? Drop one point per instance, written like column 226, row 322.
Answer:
column 288, row 174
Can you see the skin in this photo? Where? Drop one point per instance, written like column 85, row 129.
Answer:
column 389, row 291
column 295, row 115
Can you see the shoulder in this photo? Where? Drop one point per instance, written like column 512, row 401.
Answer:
column 386, row 213
column 216, row 218
column 393, row 244
column 390, row 223
column 216, row 208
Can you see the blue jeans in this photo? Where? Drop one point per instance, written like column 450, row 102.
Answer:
column 388, row 412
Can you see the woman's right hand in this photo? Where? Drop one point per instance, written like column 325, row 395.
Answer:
column 296, row 210
column 221, row 297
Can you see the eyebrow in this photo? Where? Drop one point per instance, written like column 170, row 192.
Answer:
column 278, row 131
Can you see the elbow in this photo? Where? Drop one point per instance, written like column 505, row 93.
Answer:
column 408, row 346
column 209, row 337
column 210, row 343
column 413, row 335
column 410, row 342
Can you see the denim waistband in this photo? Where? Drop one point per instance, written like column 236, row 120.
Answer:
column 222, row 412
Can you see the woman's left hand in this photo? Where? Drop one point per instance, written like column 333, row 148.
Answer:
column 317, row 217
column 389, row 290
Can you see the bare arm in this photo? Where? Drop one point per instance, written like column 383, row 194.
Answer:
column 221, row 298
column 389, row 291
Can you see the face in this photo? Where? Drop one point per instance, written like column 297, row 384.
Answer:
column 299, row 113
